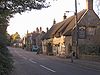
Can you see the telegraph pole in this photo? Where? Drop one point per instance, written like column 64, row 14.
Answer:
column 76, row 29
column 76, row 26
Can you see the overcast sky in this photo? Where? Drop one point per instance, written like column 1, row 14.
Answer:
column 43, row 18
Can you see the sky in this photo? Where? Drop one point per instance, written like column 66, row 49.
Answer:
column 30, row 20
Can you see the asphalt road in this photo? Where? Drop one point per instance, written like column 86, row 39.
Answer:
column 28, row 63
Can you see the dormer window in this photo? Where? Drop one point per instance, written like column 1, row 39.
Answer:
column 91, row 31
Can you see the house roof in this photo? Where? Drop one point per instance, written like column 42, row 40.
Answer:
column 62, row 29
column 90, row 18
column 84, row 17
column 71, row 25
column 51, row 32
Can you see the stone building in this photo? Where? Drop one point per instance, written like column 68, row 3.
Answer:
column 86, row 33
column 33, row 38
column 48, row 44
column 83, row 38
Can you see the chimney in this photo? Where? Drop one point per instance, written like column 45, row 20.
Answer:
column 89, row 4
column 40, row 29
column 54, row 22
column 64, row 17
column 37, row 30
column 47, row 29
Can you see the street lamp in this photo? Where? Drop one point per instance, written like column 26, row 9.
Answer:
column 75, row 13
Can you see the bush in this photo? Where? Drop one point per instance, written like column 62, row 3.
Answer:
column 6, row 62
column 89, row 49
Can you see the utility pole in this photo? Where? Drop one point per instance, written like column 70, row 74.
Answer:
column 76, row 29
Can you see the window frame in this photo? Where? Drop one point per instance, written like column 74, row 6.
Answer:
column 91, row 30
column 82, row 32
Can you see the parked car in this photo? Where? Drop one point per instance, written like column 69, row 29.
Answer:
column 35, row 48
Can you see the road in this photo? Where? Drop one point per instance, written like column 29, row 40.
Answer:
column 28, row 63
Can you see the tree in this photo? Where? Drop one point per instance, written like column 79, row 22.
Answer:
column 15, row 38
column 8, row 37
column 5, row 57
column 10, row 7
column 7, row 9
column 15, row 6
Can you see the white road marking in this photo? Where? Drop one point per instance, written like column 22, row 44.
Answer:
column 32, row 61
column 24, row 58
column 47, row 68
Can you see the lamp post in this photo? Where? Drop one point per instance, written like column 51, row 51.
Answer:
column 76, row 29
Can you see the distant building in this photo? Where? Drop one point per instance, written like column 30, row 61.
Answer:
column 33, row 38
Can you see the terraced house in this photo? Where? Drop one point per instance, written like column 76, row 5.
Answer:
column 65, row 36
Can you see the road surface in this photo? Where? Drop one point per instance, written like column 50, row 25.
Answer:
column 28, row 63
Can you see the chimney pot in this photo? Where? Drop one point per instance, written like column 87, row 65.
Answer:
column 37, row 30
column 64, row 17
column 40, row 29
column 54, row 21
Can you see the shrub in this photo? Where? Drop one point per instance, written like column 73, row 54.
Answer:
column 89, row 49
column 6, row 62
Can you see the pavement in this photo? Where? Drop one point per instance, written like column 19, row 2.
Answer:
column 88, row 64
column 94, row 65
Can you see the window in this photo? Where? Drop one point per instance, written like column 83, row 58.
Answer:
column 82, row 32
column 91, row 31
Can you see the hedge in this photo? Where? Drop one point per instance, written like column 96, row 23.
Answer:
column 6, row 62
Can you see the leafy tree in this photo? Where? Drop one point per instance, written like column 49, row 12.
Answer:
column 10, row 7
column 5, row 61
column 5, row 57
column 7, row 9
column 15, row 36
column 15, row 6
column 8, row 41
